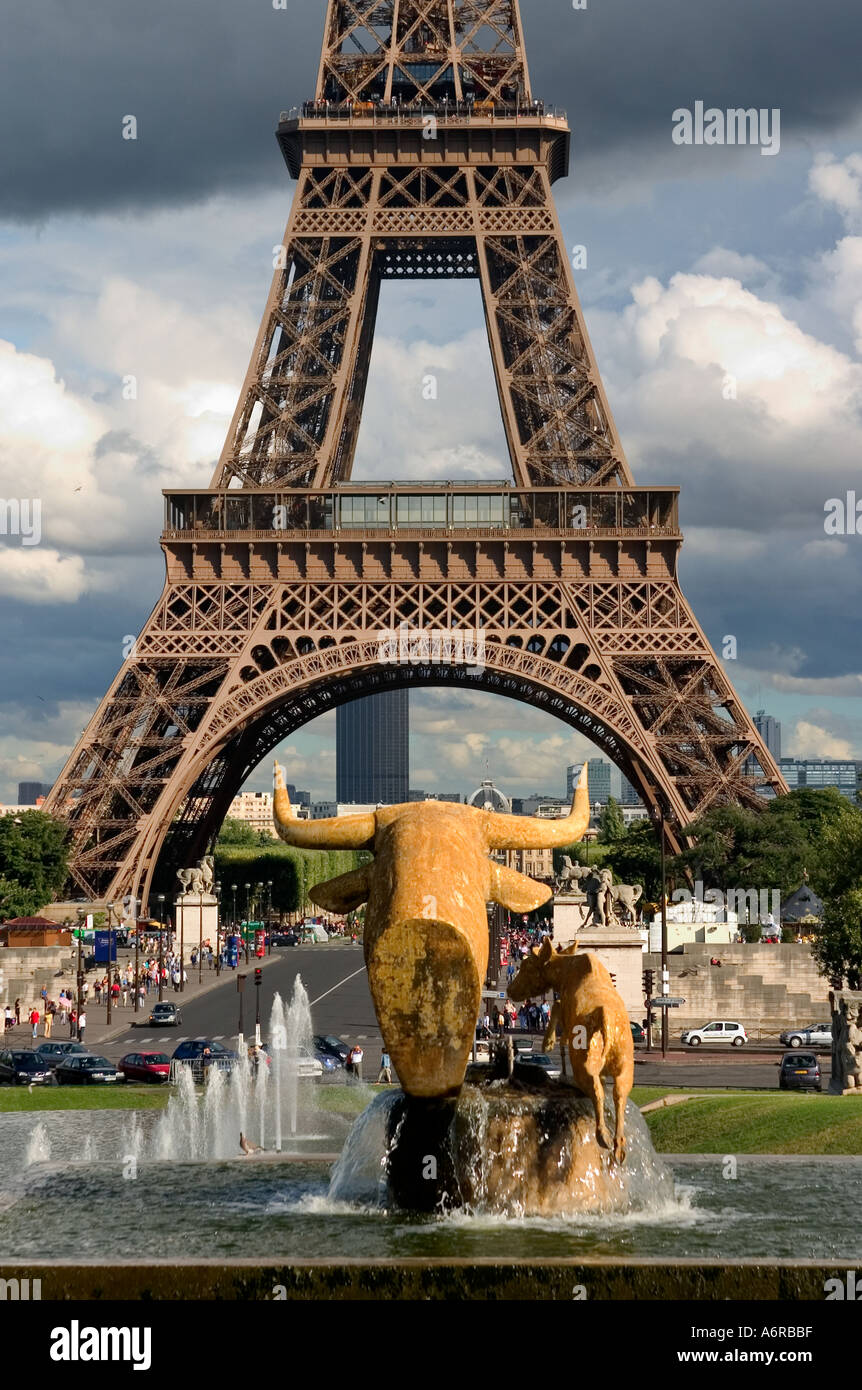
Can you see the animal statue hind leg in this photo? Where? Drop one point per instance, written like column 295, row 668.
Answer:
column 622, row 1086
column 587, row 1070
column 554, row 1020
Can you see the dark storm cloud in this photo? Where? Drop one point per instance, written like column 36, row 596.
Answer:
column 206, row 80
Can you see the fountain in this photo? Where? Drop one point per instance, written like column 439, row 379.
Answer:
column 259, row 1100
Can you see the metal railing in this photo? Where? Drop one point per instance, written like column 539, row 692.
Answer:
column 451, row 113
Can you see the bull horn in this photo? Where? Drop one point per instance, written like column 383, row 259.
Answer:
column 338, row 832
column 530, row 832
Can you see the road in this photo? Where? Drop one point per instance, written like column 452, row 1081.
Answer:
column 334, row 976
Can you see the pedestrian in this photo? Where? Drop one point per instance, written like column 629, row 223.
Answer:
column 354, row 1062
column 17, row 1012
column 73, row 1021
column 115, row 993
column 97, row 989
column 34, row 1020
column 82, row 1023
column 125, row 995
column 384, row 1076
column 142, row 995
column 50, row 1010
column 9, row 1019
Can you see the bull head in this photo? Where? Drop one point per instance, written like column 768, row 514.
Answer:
column 426, row 927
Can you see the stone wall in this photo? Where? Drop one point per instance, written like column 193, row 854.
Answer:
column 765, row 988
column 27, row 968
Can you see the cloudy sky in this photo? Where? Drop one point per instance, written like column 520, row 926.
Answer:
column 706, row 266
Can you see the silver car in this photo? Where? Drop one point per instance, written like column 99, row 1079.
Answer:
column 815, row 1035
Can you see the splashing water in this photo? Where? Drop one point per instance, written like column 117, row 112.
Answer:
column 38, row 1147
column 260, row 1100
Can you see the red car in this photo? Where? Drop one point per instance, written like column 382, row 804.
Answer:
column 145, row 1066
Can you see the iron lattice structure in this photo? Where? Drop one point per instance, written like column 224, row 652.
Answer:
column 423, row 154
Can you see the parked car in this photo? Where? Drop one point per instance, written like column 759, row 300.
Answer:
column 165, row 1016
column 53, row 1053
column 638, row 1033
column 723, row 1032
column 332, row 1046
column 24, row 1069
column 549, row 1065
column 86, row 1070
column 815, row 1035
column 307, row 1063
column 145, row 1066
column 799, row 1071
column 202, row 1053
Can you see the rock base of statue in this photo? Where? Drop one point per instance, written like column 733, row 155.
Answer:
column 526, row 1146
column 619, row 948
column 196, row 920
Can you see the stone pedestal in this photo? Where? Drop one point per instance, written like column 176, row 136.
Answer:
column 846, row 1077
column 197, row 919
column 620, row 949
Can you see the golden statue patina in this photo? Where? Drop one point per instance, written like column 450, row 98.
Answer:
column 594, row 1024
column 426, row 926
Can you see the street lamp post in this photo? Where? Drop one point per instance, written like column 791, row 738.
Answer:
column 233, row 915
column 269, row 915
column 133, row 908
column 200, row 940
column 81, row 918
column 217, row 887
column 110, row 910
column 247, row 919
column 160, row 899
column 659, row 814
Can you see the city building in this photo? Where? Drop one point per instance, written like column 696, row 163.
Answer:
column 605, row 781
column 298, row 797
column 372, row 750
column 770, row 731
column 31, row 793
column 533, row 805
column 535, row 863
column 255, row 809
column 819, row 773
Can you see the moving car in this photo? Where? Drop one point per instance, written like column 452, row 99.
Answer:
column 799, row 1071
column 53, row 1053
column 165, row 1016
column 285, row 938
column 332, row 1046
column 24, row 1069
column 86, row 1070
column 815, row 1035
column 716, row 1033
column 638, row 1033
column 145, row 1066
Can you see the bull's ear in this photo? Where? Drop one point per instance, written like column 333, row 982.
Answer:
column 344, row 893
column 515, row 891
column 546, row 950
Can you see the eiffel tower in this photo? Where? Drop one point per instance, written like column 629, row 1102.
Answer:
column 423, row 155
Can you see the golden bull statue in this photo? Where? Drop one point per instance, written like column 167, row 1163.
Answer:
column 426, row 926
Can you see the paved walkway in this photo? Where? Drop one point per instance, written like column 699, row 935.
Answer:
column 98, row 1030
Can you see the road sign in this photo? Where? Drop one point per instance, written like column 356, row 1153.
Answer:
column 666, row 1003
column 106, row 947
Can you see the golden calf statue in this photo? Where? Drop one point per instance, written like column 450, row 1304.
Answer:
column 426, row 926
column 594, row 1024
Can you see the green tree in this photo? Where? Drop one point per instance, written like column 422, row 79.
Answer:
column 33, row 862
column 612, row 827
column 837, row 878
column 237, row 832
column 636, row 858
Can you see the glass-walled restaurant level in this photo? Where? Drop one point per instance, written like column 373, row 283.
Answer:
column 649, row 511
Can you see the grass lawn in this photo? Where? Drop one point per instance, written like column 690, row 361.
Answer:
column 759, row 1123
column 83, row 1098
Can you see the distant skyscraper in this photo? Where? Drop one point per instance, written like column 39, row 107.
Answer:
column 770, row 731
column 605, row 781
column 29, row 792
column 372, row 749
column 626, row 794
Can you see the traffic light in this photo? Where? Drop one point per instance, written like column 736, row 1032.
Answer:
column 649, row 983
column 258, row 976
